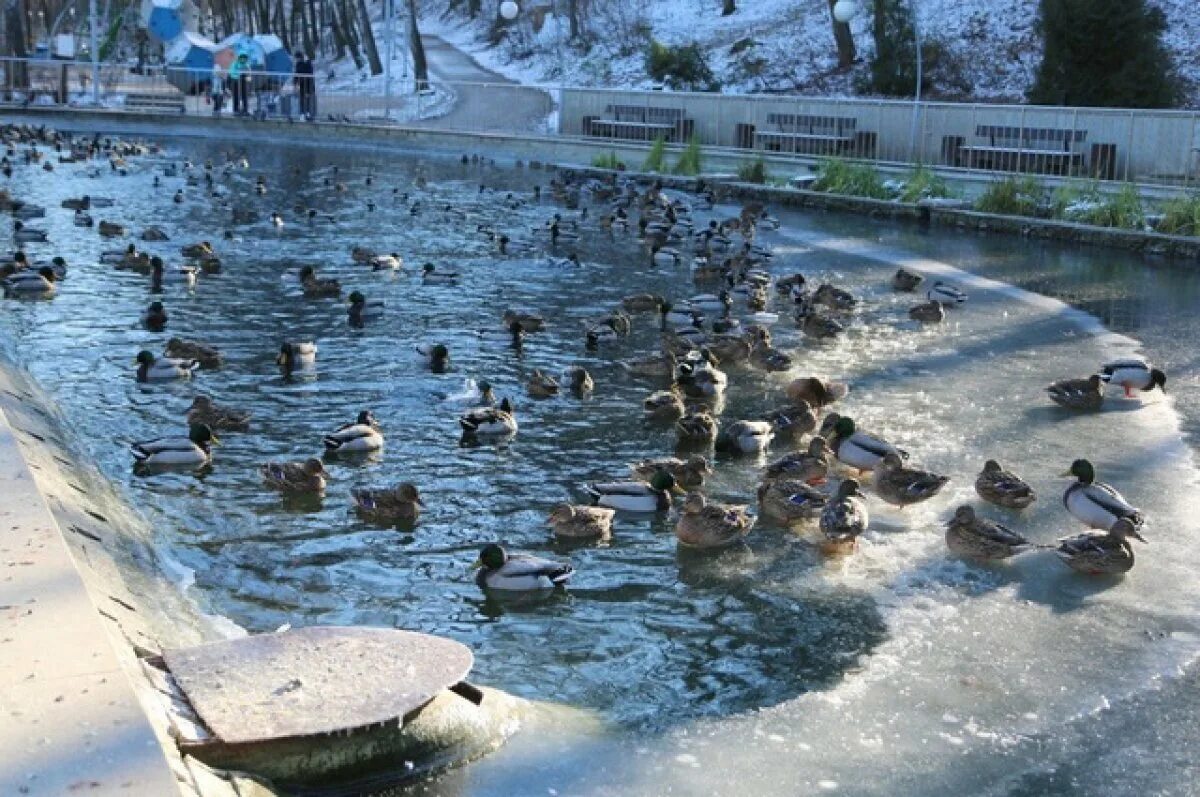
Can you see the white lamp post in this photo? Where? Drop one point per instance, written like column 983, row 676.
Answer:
column 846, row 10
column 509, row 10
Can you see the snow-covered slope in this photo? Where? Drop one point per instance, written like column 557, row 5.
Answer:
column 991, row 48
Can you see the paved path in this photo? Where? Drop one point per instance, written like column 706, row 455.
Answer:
column 487, row 102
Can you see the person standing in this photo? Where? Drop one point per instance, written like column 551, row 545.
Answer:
column 306, row 85
column 216, row 89
column 239, row 77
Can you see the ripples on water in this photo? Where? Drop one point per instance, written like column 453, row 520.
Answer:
column 646, row 635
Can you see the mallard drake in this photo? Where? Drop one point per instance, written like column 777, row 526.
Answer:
column 225, row 419
column 788, row 501
column 161, row 369
column 665, row 256
column 83, row 219
column 664, row 405
column 392, row 262
column 931, row 312
column 834, row 297
column 581, row 381
column 541, row 385
column 190, row 451
column 906, row 281
column 294, row 477
column 40, row 283
column 574, row 521
column 436, row 356
column 295, row 354
column 362, row 310
column 697, row 427
column 155, row 316
column 688, row 473
column 792, row 422
column 1100, row 554
column 700, row 380
column 1132, row 374
column 810, row 466
column 745, row 437
column 402, row 502
column 500, row 570
column 844, row 519
column 901, row 486
column 360, row 436
column 854, row 448
column 968, row 534
column 636, row 496
column 430, row 275
column 643, row 303
column 315, row 288
column 530, row 322
column 489, row 420
column 704, row 524
column 23, row 234
column 945, row 293
column 1003, row 488
column 1096, row 504
column 206, row 355
column 1078, row 394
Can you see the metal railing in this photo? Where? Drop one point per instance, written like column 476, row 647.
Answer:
column 1159, row 148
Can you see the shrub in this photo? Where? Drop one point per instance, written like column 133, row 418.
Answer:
column 1012, row 196
column 836, row 176
column 608, row 161
column 655, row 160
column 754, row 171
column 923, row 184
column 1122, row 209
column 680, row 67
column 1181, row 216
column 689, row 159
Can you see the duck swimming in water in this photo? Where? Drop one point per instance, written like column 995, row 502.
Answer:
column 361, row 436
column 167, row 452
column 400, row 503
column 162, row 369
column 500, row 570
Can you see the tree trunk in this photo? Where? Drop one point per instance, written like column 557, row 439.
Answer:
column 573, row 17
column 474, row 7
column 844, row 40
column 14, row 27
column 728, row 7
column 420, row 66
column 369, row 38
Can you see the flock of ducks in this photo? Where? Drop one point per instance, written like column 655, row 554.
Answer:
column 704, row 338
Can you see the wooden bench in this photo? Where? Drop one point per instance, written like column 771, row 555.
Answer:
column 640, row 123
column 1041, row 150
column 805, row 134
column 154, row 102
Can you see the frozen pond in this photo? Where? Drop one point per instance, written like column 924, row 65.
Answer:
column 899, row 669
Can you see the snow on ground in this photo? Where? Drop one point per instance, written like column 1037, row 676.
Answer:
column 992, row 47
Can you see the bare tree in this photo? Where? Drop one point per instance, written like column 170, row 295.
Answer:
column 364, row 23
column 420, row 66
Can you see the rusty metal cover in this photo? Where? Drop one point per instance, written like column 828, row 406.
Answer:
column 314, row 680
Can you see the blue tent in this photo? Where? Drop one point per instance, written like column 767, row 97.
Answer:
column 190, row 62
column 164, row 23
column 276, row 59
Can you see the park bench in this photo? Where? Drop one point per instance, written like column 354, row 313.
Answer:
column 639, row 123
column 1040, row 150
column 807, row 134
column 154, row 102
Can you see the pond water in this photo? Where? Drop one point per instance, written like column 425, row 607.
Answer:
column 767, row 668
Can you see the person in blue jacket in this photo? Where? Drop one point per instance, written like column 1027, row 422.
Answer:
column 239, row 79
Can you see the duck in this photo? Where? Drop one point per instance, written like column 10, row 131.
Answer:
column 653, row 495
column 362, row 310
column 575, row 521
column 197, row 251
column 1100, row 554
column 362, row 254
column 902, row 486
column 204, row 411
column 844, row 519
column 1078, row 394
column 490, row 421
column 716, row 303
column 40, row 283
column 316, row 288
column 111, row 229
column 500, row 570
column 1133, row 373
column 810, row 466
column 191, row 451
column 700, row 380
column 792, row 422
column 665, row 256
column 360, row 436
column 161, row 369
column 530, row 322
column 771, row 359
column 705, row 524
column 788, row 501
column 294, row 477
column 431, row 276
column 664, row 405
column 643, row 303
column 1003, row 488
column 83, row 219
column 207, row 356
column 946, row 294
column 906, row 281
column 697, row 427
column 23, row 234
column 817, row 325
column 155, row 316
column 391, row 262
column 852, row 447
column 541, row 385
column 679, row 316
column 436, row 356
column 688, row 473
column 581, row 381
column 975, row 537
column 158, row 273
column 745, row 437
column 1096, row 504
column 931, row 312
column 833, row 297
column 400, row 503
column 293, row 354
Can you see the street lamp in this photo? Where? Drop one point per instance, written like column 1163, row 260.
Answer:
column 846, row 10
column 509, row 10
